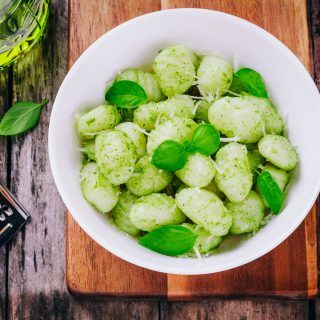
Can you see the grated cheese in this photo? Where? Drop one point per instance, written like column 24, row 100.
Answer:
column 263, row 128
column 142, row 130
column 195, row 108
column 235, row 94
column 220, row 171
column 156, row 123
column 201, row 91
column 197, row 252
column 233, row 139
column 236, row 60
column 217, row 94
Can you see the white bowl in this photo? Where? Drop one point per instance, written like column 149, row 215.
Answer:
column 136, row 43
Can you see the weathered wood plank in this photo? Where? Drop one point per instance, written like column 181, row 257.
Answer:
column 107, row 15
column 314, row 16
column 5, row 97
column 314, row 21
column 235, row 310
column 36, row 259
column 59, row 305
column 314, row 24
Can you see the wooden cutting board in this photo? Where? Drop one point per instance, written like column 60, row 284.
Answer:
column 290, row 270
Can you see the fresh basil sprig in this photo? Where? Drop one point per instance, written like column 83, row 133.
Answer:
column 126, row 94
column 206, row 139
column 169, row 240
column 253, row 81
column 172, row 156
column 271, row 191
column 21, row 117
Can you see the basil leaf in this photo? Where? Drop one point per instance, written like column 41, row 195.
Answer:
column 126, row 94
column 206, row 139
column 189, row 147
column 21, row 117
column 170, row 155
column 237, row 86
column 169, row 240
column 253, row 81
column 271, row 191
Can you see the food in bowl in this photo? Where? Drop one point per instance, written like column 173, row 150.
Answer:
column 186, row 155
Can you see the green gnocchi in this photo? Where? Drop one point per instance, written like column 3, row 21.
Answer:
column 237, row 117
column 174, row 69
column 97, row 189
column 121, row 214
column 161, row 211
column 147, row 178
column 205, row 209
column 226, row 146
column 177, row 128
column 202, row 165
column 247, row 215
column 234, row 177
column 206, row 241
column 146, row 80
column 116, row 156
column 214, row 75
column 96, row 120
column 147, row 115
column 279, row 151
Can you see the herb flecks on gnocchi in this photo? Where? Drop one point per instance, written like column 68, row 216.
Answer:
column 187, row 154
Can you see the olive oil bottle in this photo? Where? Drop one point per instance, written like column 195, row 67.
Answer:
column 22, row 22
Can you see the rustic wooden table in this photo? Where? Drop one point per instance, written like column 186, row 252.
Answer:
column 32, row 267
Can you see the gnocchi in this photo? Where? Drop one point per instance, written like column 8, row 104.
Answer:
column 148, row 114
column 247, row 215
column 214, row 75
column 116, row 156
column 206, row 241
column 205, row 209
column 205, row 183
column 177, row 128
column 134, row 133
column 161, row 211
column 121, row 214
column 97, row 189
column 146, row 80
column 202, row 165
column 147, row 178
column 174, row 69
column 234, row 177
column 98, row 119
column 237, row 117
column 279, row 151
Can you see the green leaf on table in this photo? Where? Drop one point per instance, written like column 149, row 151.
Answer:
column 253, row 81
column 126, row 94
column 169, row 240
column 169, row 155
column 206, row 139
column 271, row 191
column 21, row 117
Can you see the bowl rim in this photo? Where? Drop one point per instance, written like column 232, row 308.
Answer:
column 131, row 258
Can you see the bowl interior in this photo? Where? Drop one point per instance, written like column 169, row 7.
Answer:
column 136, row 43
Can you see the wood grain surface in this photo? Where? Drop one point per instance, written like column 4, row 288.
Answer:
column 32, row 268
column 4, row 103
column 290, row 270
